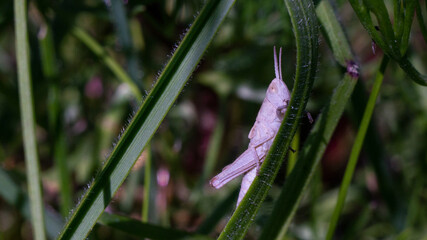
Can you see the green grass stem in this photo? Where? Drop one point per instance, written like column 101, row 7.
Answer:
column 97, row 49
column 358, row 143
column 27, row 120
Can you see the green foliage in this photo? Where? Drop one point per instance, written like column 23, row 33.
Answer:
column 74, row 75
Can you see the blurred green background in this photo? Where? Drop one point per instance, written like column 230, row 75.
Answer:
column 81, row 107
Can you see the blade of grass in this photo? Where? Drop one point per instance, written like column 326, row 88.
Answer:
column 388, row 187
column 147, row 119
column 129, row 189
column 119, row 18
column 398, row 17
column 388, row 42
column 143, row 230
column 355, row 151
column 147, row 186
column 315, row 145
column 27, row 119
column 58, row 136
column 378, row 8
column 337, row 39
column 293, row 157
column 305, row 28
column 107, row 59
column 407, row 23
column 420, row 19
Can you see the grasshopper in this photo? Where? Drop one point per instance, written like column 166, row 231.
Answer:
column 262, row 134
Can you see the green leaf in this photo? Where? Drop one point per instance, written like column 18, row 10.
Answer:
column 27, row 119
column 420, row 19
column 147, row 119
column 305, row 27
column 334, row 33
column 393, row 47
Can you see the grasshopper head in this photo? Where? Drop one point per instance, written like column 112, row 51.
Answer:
column 277, row 93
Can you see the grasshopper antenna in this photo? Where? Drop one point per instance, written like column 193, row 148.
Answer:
column 276, row 67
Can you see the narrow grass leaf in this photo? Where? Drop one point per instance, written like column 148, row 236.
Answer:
column 357, row 147
column 58, row 143
column 119, row 18
column 375, row 148
column 387, row 41
column 420, row 20
column 292, row 159
column 147, row 185
column 305, row 27
column 334, row 33
column 147, row 119
column 27, row 119
column 115, row 67
column 407, row 23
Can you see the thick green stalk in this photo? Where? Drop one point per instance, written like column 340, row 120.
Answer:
column 27, row 119
column 358, row 143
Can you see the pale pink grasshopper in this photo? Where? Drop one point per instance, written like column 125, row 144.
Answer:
column 262, row 134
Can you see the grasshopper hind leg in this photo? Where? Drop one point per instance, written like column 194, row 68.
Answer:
column 246, row 183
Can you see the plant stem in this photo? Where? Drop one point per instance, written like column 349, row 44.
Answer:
column 28, row 122
column 147, row 184
column 354, row 155
column 108, row 60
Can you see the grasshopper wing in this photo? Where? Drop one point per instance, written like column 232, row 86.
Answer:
column 242, row 164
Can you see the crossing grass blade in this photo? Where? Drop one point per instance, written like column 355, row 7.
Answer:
column 147, row 120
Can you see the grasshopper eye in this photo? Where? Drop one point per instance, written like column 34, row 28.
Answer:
column 273, row 88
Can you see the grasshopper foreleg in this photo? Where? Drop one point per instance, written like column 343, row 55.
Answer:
column 281, row 110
